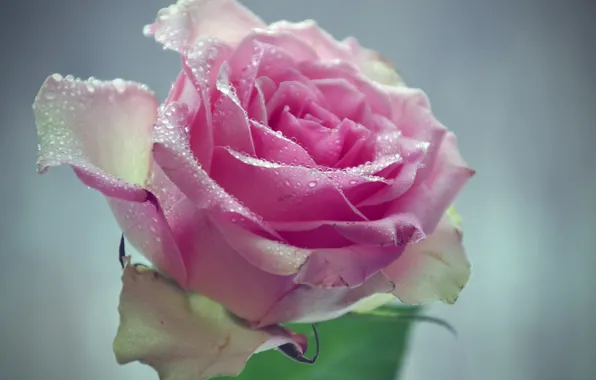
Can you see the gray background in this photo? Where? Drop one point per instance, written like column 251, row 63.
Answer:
column 514, row 79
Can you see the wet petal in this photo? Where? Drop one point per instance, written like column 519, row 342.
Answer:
column 326, row 47
column 201, row 65
column 101, row 129
column 314, row 304
column 185, row 336
column 274, row 147
column 178, row 26
column 171, row 151
column 264, row 253
column 430, row 198
column 288, row 188
column 147, row 229
column 433, row 269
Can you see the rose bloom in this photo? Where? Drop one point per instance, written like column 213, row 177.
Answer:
column 287, row 176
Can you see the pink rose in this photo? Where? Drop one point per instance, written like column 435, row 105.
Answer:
column 287, row 176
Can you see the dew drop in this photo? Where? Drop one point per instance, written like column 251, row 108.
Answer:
column 312, row 184
column 119, row 85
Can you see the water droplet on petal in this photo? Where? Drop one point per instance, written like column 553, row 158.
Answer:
column 119, row 84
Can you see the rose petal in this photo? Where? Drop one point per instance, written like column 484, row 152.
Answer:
column 220, row 272
column 376, row 97
column 322, row 144
column 292, row 96
column 178, row 26
column 230, row 121
column 101, row 129
column 147, row 229
column 288, row 189
column 344, row 100
column 373, row 64
column 433, row 269
column 373, row 302
column 184, row 91
column 185, row 336
column 326, row 47
column 266, row 254
column 401, row 169
column 263, row 53
column 274, row 147
column 414, row 119
column 429, row 199
column 171, row 151
column 201, row 64
column 313, row 304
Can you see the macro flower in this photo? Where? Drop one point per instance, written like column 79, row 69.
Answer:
column 288, row 176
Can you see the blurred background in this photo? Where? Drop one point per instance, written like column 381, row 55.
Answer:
column 514, row 79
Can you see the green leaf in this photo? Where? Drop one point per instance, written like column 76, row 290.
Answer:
column 353, row 347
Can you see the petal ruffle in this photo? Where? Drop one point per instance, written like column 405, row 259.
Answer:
column 101, row 129
column 435, row 268
column 185, row 336
column 288, row 189
column 430, row 198
column 314, row 304
column 326, row 47
column 179, row 26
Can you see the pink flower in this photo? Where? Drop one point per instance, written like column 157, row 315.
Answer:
column 287, row 176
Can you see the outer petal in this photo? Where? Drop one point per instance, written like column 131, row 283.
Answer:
column 313, row 304
column 380, row 243
column 147, row 229
column 373, row 64
column 101, row 129
column 430, row 198
column 434, row 269
column 178, row 26
column 185, row 336
column 326, row 47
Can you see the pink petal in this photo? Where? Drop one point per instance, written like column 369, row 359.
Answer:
column 265, row 54
column 433, row 269
column 344, row 100
column 179, row 26
column 323, row 144
column 186, row 336
column 288, row 189
column 429, row 199
column 218, row 271
column 101, row 129
column 262, row 252
column 401, row 168
column 201, row 66
column 372, row 246
column 313, row 304
column 172, row 152
column 147, row 229
column 184, row 91
column 274, row 147
column 326, row 47
column 264, row 88
column 376, row 97
column 413, row 117
column 292, row 96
